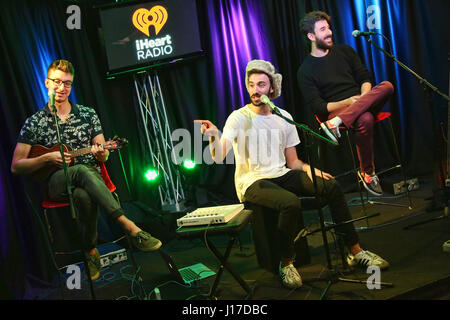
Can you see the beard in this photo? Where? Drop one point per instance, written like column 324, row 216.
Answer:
column 320, row 43
column 254, row 100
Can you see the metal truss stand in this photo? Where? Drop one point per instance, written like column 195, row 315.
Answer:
column 159, row 142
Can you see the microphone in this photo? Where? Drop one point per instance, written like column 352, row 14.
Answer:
column 357, row 33
column 266, row 100
column 51, row 97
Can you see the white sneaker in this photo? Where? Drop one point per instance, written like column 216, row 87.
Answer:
column 290, row 277
column 365, row 258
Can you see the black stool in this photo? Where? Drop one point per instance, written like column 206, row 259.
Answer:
column 232, row 229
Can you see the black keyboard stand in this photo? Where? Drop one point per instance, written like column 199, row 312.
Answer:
column 232, row 229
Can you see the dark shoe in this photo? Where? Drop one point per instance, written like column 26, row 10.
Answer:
column 371, row 183
column 145, row 242
column 94, row 264
column 331, row 131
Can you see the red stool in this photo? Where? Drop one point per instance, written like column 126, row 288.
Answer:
column 50, row 204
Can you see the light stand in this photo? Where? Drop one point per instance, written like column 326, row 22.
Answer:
column 69, row 191
column 332, row 275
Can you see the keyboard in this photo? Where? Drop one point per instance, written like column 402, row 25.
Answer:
column 210, row 215
column 188, row 275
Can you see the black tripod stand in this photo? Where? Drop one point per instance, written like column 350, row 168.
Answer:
column 69, row 186
column 332, row 274
column 428, row 88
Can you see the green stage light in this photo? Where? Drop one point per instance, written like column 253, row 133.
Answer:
column 151, row 175
column 189, row 164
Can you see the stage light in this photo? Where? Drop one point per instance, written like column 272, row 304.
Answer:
column 151, row 175
column 189, row 164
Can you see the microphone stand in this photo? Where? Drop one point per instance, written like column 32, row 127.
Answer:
column 61, row 150
column 69, row 188
column 422, row 81
column 426, row 86
column 332, row 275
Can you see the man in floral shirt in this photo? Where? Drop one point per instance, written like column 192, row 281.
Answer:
column 80, row 128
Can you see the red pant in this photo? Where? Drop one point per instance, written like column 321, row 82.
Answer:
column 361, row 116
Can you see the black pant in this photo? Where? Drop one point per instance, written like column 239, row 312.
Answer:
column 89, row 192
column 282, row 194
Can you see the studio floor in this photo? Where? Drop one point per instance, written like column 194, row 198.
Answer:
column 419, row 268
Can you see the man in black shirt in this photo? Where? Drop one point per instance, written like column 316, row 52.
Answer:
column 338, row 87
column 80, row 128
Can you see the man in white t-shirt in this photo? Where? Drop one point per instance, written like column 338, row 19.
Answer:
column 269, row 173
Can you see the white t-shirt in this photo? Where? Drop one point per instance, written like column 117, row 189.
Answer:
column 259, row 144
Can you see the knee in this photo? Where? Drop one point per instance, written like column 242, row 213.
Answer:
column 388, row 87
column 81, row 169
column 291, row 205
column 81, row 196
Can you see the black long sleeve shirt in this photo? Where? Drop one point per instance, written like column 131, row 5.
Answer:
column 334, row 77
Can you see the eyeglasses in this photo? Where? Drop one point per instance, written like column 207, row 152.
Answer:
column 58, row 82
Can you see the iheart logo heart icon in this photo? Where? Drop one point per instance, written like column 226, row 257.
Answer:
column 143, row 19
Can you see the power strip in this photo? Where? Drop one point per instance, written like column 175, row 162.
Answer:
column 113, row 258
column 411, row 184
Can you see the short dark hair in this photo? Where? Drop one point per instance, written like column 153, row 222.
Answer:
column 63, row 65
column 308, row 21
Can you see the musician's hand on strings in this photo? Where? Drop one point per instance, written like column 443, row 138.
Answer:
column 100, row 153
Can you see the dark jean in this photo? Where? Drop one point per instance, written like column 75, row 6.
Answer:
column 282, row 194
column 89, row 192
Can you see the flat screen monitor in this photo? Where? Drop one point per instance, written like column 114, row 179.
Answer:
column 144, row 34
